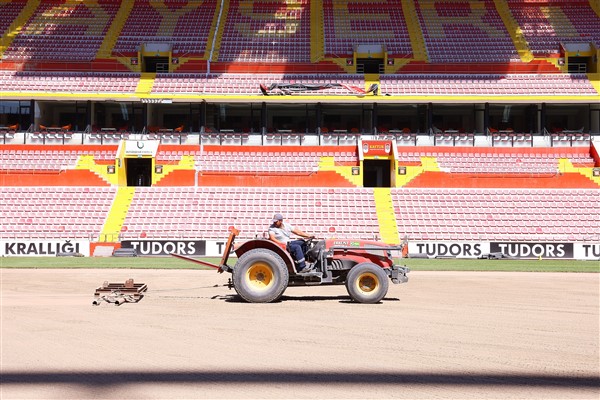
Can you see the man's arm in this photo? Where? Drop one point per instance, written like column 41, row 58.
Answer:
column 301, row 233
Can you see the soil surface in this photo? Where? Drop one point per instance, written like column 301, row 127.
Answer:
column 451, row 335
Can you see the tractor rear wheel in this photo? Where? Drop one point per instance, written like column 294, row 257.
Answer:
column 367, row 283
column 260, row 276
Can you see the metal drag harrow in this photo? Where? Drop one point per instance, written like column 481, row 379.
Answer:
column 119, row 293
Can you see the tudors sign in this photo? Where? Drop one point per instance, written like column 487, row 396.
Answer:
column 450, row 249
column 533, row 250
column 564, row 250
column 166, row 247
column 43, row 248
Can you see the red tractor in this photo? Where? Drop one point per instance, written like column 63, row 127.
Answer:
column 264, row 269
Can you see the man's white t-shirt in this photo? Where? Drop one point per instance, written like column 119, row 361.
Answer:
column 282, row 234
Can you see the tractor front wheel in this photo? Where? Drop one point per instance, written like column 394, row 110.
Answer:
column 367, row 283
column 260, row 276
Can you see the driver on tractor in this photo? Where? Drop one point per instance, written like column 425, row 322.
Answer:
column 280, row 232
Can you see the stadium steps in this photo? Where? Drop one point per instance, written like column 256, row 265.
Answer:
column 15, row 27
column 566, row 166
column 414, row 31
column 412, row 171
column 86, row 162
column 215, row 36
column 186, row 162
column 118, row 212
column 514, row 30
column 371, row 79
column 170, row 16
column 386, row 216
column 317, row 47
column 595, row 81
column 595, row 6
column 327, row 163
column 145, row 84
column 113, row 33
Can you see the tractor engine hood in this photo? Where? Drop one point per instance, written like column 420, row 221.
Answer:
column 358, row 245
column 361, row 247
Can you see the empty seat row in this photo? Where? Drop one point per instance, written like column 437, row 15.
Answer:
column 208, row 212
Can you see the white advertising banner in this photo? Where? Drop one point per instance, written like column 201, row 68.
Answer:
column 524, row 250
column 450, row 249
column 140, row 148
column 43, row 248
column 164, row 247
column 586, row 251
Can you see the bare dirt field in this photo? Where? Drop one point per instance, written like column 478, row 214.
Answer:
column 457, row 335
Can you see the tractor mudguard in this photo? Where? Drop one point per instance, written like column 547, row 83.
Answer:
column 269, row 245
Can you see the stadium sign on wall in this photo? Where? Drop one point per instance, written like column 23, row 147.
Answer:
column 551, row 250
column 450, row 249
column 166, row 247
column 533, row 250
column 376, row 147
column 140, row 148
column 43, row 248
column 586, row 251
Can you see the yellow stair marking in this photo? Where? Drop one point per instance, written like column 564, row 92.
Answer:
column 328, row 164
column 15, row 27
column 341, row 62
column 557, row 18
column 169, row 17
column 399, row 63
column 186, row 163
column 95, row 25
column 386, row 215
column 595, row 81
column 116, row 215
column 412, row 171
column 145, row 84
column 595, row 6
column 371, row 79
column 317, row 47
column 565, row 166
column 219, row 34
column 414, row 31
column 87, row 162
column 113, row 33
column 514, row 30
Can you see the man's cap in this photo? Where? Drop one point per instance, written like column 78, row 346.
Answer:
column 277, row 217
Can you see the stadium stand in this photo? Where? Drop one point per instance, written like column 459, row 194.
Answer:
column 422, row 213
column 37, row 160
column 55, row 212
column 73, row 82
column 207, row 212
column 527, row 163
column 247, row 84
column 10, row 11
column 60, row 30
column 487, row 85
column 365, row 23
column 184, row 26
column 545, row 27
column 464, row 32
column 274, row 161
column 498, row 214
column 266, row 32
